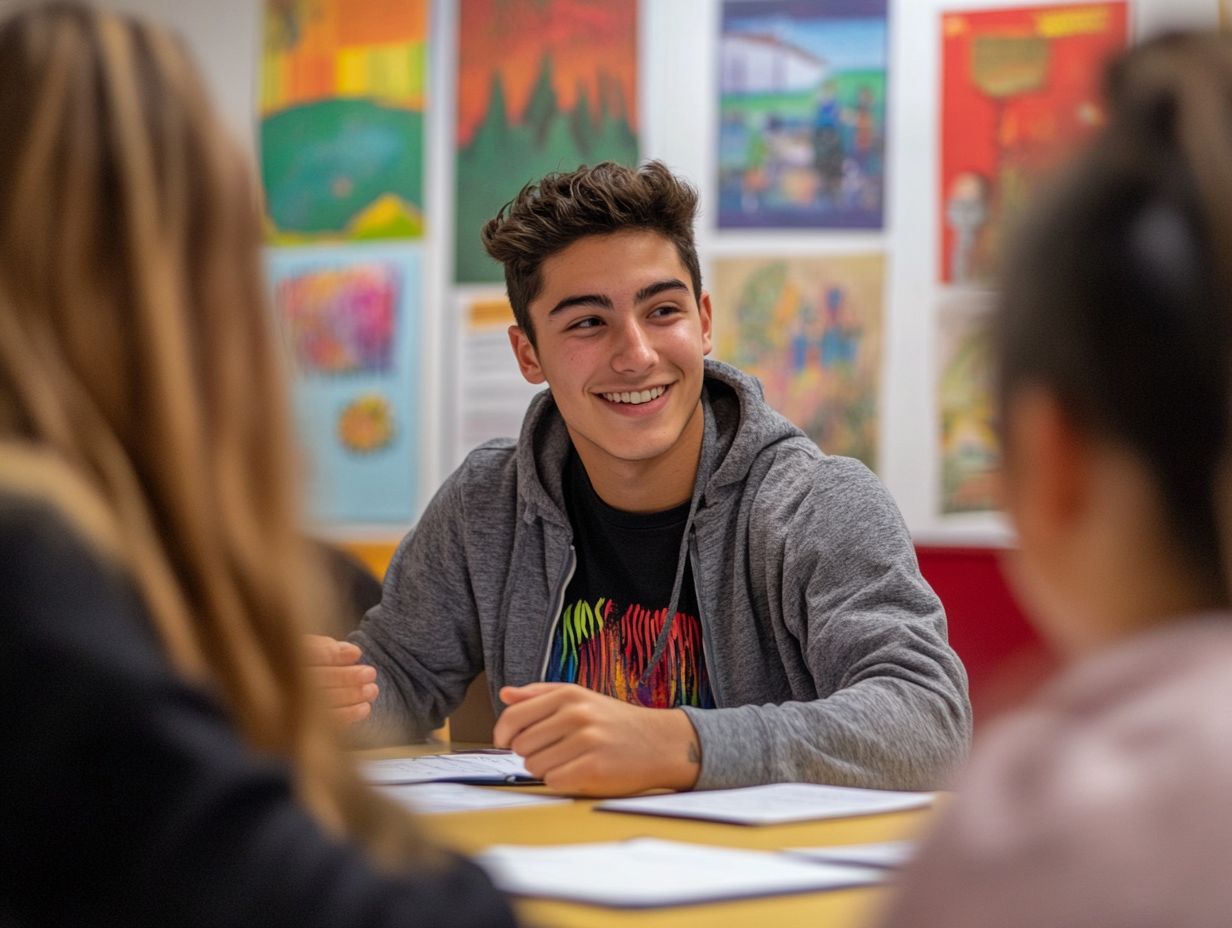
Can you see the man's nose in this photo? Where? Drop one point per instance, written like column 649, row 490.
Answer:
column 634, row 352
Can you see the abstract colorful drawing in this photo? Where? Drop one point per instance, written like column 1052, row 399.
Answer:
column 341, row 320
column 802, row 113
column 543, row 85
column 970, row 451
column 1020, row 90
column 810, row 329
column 350, row 319
column 342, row 87
column 606, row 647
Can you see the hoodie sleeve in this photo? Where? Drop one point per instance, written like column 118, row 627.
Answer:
column 423, row 637
column 892, row 709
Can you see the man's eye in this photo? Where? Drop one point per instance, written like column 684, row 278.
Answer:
column 667, row 309
column 590, row 322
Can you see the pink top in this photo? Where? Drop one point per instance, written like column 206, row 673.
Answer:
column 1106, row 802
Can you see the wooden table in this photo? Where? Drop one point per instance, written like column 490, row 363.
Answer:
column 579, row 822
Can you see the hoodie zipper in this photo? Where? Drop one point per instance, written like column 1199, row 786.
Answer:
column 554, row 618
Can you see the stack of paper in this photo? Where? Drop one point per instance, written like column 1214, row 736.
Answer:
column 775, row 804
column 490, row 767
column 432, row 798
column 648, row 872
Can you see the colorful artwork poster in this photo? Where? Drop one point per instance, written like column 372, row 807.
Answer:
column 350, row 322
column 970, row 450
column 492, row 394
column 802, row 114
column 1020, row 91
column 342, row 121
column 810, row 328
column 543, row 85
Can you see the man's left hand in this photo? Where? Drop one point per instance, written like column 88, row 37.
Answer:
column 580, row 742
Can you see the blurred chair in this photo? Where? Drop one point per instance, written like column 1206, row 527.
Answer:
column 474, row 719
column 358, row 589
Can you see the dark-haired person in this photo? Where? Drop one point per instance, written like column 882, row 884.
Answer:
column 668, row 584
column 1105, row 800
column 166, row 760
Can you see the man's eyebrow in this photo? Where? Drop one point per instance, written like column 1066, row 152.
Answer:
column 582, row 299
column 605, row 302
column 659, row 286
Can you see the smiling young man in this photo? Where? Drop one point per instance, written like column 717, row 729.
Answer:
column 668, row 584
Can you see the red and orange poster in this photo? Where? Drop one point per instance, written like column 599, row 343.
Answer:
column 543, row 85
column 1020, row 91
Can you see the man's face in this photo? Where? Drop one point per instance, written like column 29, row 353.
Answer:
column 621, row 340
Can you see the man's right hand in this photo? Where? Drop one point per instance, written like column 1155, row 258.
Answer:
column 348, row 686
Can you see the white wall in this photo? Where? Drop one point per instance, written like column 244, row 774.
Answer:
column 679, row 48
column 225, row 37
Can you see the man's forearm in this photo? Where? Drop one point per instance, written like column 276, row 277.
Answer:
column 682, row 756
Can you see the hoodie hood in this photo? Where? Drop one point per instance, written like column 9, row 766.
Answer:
column 738, row 427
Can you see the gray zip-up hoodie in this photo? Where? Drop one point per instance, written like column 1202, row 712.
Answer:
column 825, row 647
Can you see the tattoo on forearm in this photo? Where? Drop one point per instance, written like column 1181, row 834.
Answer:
column 695, row 756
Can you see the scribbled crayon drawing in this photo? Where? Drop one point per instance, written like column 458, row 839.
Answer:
column 342, row 95
column 970, row 449
column 1020, row 92
column 349, row 316
column 366, row 424
column 341, row 320
column 810, row 329
column 802, row 113
column 543, row 85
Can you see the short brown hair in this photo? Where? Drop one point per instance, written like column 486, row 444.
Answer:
column 550, row 215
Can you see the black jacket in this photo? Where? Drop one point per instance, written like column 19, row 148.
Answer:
column 127, row 796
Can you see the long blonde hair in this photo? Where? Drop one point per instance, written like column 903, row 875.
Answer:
column 136, row 355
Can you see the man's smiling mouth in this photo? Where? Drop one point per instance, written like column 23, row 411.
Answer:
column 636, row 397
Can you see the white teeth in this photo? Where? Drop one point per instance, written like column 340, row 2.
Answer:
column 636, row 398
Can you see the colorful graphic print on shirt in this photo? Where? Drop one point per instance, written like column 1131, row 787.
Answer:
column 607, row 649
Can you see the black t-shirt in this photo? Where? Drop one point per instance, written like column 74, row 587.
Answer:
column 616, row 605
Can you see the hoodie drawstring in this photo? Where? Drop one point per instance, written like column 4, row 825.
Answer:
column 681, row 559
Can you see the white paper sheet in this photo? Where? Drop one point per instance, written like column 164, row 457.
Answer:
column 774, row 804
column 462, row 767
column 889, row 855
column 648, row 872
column 489, row 392
column 433, row 798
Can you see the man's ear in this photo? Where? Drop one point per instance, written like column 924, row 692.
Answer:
column 528, row 359
column 706, row 311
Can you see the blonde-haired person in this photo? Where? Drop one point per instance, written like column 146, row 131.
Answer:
column 164, row 758
column 1105, row 800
